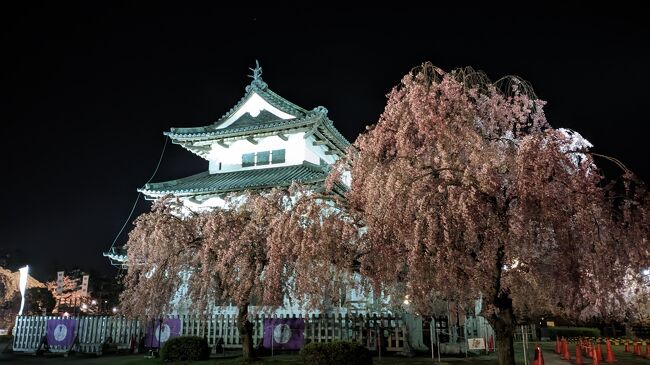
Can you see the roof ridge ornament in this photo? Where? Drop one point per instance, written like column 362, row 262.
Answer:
column 257, row 77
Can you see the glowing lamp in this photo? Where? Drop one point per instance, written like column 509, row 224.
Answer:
column 22, row 285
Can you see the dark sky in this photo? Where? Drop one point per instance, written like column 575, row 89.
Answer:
column 88, row 91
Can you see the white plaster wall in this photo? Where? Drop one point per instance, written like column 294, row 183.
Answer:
column 313, row 153
column 199, row 204
column 297, row 149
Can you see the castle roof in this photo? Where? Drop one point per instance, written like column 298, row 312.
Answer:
column 206, row 183
column 260, row 112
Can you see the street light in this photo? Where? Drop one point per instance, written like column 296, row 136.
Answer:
column 114, row 309
column 93, row 302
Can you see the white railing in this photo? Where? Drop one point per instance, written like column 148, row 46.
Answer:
column 93, row 331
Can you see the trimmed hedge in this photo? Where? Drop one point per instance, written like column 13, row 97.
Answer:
column 335, row 353
column 185, row 348
column 554, row 332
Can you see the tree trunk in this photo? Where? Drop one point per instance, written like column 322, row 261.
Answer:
column 503, row 322
column 245, row 328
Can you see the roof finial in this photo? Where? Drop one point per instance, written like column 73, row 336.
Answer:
column 257, row 72
column 257, row 77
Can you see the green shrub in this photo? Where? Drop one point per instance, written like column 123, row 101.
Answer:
column 335, row 353
column 554, row 332
column 185, row 348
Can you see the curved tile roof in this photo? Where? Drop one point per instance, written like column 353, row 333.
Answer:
column 263, row 122
column 206, row 183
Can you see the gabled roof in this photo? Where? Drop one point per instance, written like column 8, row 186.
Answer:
column 259, row 87
column 283, row 116
column 206, row 183
column 246, row 122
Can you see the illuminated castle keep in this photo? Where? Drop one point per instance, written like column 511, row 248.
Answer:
column 264, row 141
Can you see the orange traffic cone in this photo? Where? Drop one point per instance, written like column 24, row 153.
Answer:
column 627, row 347
column 565, row 351
column 647, row 351
column 557, row 345
column 594, row 357
column 599, row 353
column 579, row 354
column 610, row 353
column 539, row 358
column 637, row 348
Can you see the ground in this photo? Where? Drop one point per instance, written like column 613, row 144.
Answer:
column 550, row 358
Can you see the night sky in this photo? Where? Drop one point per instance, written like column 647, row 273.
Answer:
column 87, row 93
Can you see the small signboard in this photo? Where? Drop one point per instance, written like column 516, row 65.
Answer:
column 59, row 282
column 550, row 324
column 84, row 285
column 476, row 343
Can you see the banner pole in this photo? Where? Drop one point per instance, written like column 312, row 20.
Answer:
column 433, row 323
column 272, row 339
column 159, row 333
column 438, row 341
column 523, row 343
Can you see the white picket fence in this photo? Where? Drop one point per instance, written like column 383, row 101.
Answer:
column 92, row 331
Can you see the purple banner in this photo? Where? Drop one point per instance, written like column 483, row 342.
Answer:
column 60, row 332
column 284, row 333
column 158, row 333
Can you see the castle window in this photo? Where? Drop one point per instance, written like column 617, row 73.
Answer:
column 277, row 156
column 248, row 160
column 262, row 158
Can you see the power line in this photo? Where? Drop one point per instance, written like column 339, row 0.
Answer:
column 135, row 203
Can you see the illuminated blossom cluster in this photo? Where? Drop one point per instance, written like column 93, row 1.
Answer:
column 461, row 190
column 70, row 291
column 258, row 250
column 465, row 190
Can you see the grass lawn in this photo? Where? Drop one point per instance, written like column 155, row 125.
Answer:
column 547, row 348
column 277, row 360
